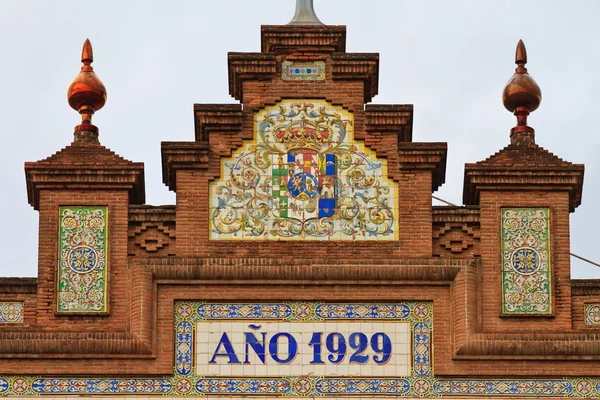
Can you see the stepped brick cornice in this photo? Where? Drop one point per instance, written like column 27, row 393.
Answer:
column 182, row 155
column 216, row 117
column 357, row 67
column 85, row 165
column 249, row 66
column 396, row 118
column 523, row 166
column 425, row 156
column 286, row 39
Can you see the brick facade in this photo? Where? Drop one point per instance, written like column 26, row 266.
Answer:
column 446, row 257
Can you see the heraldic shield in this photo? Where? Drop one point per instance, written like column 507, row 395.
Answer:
column 304, row 185
column 303, row 177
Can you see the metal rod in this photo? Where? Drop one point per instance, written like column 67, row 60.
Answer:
column 572, row 254
column 444, row 201
column 585, row 259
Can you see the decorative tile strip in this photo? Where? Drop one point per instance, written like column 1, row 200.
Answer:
column 82, row 259
column 516, row 387
column 362, row 311
column 592, row 314
column 362, row 386
column 303, row 71
column 100, row 386
column 182, row 383
column 185, row 348
column 11, row 312
column 526, row 261
column 243, row 386
column 244, row 311
column 306, row 386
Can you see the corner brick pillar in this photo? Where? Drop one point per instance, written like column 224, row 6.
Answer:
column 84, row 173
column 422, row 171
column 188, row 168
column 523, row 175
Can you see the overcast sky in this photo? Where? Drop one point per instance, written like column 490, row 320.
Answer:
column 451, row 59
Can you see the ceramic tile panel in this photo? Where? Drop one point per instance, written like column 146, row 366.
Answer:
column 303, row 71
column 330, row 354
column 592, row 314
column 255, row 348
column 303, row 177
column 82, row 259
column 11, row 312
column 195, row 318
column 526, row 261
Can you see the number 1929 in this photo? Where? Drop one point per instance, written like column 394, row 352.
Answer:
column 337, row 347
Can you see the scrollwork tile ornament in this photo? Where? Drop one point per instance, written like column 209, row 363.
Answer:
column 82, row 259
column 526, row 261
column 304, row 177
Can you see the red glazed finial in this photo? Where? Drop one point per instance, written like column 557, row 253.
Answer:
column 521, row 95
column 86, row 93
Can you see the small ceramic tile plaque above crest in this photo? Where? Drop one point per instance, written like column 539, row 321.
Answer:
column 303, row 71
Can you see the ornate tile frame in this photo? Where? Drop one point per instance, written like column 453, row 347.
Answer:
column 539, row 225
column 105, row 310
column 183, row 383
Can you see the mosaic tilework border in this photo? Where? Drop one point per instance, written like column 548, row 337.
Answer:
column 182, row 383
column 418, row 314
column 11, row 312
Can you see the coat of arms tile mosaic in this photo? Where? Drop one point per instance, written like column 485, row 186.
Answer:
column 303, row 71
column 11, row 312
column 526, row 261
column 82, row 259
column 304, row 177
column 186, row 383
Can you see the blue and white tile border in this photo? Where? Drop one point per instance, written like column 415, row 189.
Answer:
column 183, row 383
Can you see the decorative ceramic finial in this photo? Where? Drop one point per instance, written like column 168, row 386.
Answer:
column 86, row 93
column 305, row 14
column 521, row 95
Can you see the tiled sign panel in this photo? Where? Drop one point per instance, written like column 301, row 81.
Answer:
column 184, row 382
column 303, row 177
column 82, row 259
column 409, row 322
column 592, row 314
column 11, row 312
column 526, row 261
column 303, row 348
column 303, row 71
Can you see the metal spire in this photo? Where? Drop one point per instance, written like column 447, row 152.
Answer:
column 305, row 14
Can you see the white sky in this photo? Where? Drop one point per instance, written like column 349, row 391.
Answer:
column 157, row 58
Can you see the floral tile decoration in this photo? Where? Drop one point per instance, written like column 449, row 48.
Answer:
column 11, row 312
column 526, row 261
column 82, row 259
column 592, row 314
